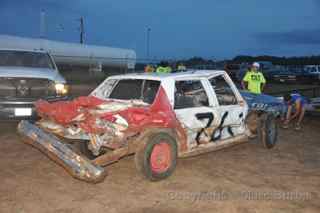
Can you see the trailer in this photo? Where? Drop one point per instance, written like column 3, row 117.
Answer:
column 75, row 54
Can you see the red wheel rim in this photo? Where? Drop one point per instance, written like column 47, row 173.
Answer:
column 160, row 158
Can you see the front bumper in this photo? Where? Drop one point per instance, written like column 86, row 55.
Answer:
column 77, row 165
column 8, row 108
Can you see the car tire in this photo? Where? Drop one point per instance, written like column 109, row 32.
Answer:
column 156, row 158
column 268, row 130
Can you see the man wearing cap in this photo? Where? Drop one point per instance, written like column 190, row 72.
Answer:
column 254, row 80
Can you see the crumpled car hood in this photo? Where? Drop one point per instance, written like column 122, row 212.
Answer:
column 94, row 115
column 79, row 109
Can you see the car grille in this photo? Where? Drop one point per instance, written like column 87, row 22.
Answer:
column 26, row 88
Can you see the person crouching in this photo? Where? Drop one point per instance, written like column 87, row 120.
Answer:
column 296, row 109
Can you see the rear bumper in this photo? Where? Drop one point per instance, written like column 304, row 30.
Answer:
column 78, row 166
column 8, row 108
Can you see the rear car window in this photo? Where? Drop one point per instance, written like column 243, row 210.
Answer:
column 136, row 89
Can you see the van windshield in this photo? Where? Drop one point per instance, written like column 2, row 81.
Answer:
column 14, row 58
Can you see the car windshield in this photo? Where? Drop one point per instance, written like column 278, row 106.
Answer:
column 12, row 58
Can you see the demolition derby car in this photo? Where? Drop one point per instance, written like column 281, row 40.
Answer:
column 156, row 117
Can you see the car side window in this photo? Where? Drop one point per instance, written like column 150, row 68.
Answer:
column 223, row 91
column 189, row 94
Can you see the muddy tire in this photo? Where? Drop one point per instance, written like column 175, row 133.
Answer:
column 156, row 158
column 252, row 123
column 268, row 130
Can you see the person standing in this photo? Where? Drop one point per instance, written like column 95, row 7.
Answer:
column 254, row 80
column 296, row 109
column 161, row 68
column 149, row 68
column 182, row 67
column 164, row 68
column 168, row 67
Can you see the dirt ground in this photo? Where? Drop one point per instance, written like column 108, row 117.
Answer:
column 246, row 178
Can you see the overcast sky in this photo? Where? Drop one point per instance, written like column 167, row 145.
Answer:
column 179, row 29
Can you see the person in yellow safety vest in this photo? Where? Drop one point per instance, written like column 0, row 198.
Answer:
column 149, row 68
column 181, row 67
column 254, row 80
column 168, row 69
column 163, row 68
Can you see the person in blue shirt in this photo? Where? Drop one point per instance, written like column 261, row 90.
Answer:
column 296, row 109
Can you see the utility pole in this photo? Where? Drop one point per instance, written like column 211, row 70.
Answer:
column 148, row 42
column 81, row 30
column 43, row 27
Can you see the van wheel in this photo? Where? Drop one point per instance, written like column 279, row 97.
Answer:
column 268, row 130
column 156, row 158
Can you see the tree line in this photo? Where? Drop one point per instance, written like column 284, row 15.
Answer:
column 194, row 61
column 304, row 60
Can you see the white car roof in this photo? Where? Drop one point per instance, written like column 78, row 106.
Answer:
column 178, row 75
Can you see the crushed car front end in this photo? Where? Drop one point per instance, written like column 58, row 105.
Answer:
column 87, row 122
